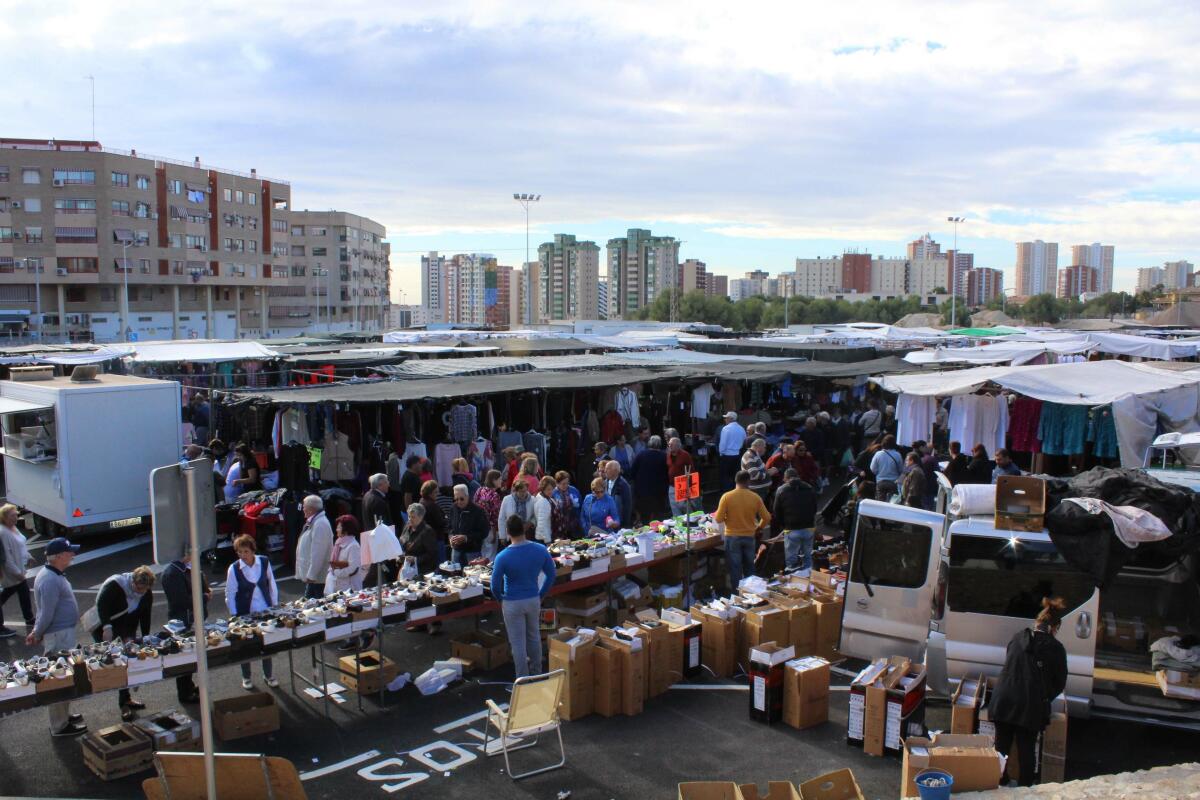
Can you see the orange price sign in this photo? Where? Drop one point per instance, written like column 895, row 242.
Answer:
column 681, row 488
column 694, row 486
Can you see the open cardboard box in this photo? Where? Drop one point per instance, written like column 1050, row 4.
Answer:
column 839, row 785
column 1020, row 503
column 970, row 758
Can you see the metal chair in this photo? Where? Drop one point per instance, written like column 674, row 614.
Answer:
column 532, row 711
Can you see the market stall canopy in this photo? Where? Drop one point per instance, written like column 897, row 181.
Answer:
column 997, row 330
column 200, row 351
column 789, row 346
column 88, row 354
column 1007, row 351
column 1120, row 344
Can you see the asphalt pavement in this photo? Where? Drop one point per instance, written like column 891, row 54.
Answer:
column 429, row 747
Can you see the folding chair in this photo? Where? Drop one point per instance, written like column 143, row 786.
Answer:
column 532, row 711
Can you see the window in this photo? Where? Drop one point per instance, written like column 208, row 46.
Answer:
column 239, row 196
column 175, row 187
column 298, row 270
column 74, row 205
column 3, row 174
column 141, row 210
column 227, row 195
column 107, row 294
column 252, row 222
column 195, row 195
column 33, row 205
column 252, row 245
column 888, row 553
column 75, row 235
column 141, row 238
column 297, row 230
column 33, row 235
column 252, row 198
column 143, row 181
column 121, row 265
column 279, row 272
column 227, row 245
column 73, row 265
column 145, row 319
column 317, row 231
column 319, row 251
column 237, row 269
column 279, row 250
column 144, row 266
column 120, row 208
column 279, row 225
column 75, row 177
column 199, row 217
column 298, row 250
column 6, row 234
column 7, row 266
column 175, row 240
column 120, row 179
column 343, row 254
column 31, row 175
column 76, row 294
column 196, row 242
column 992, row 575
column 33, row 265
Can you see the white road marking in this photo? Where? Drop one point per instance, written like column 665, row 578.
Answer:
column 449, row 726
column 349, row 762
column 730, row 687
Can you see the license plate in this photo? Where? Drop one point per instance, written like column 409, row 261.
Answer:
column 125, row 523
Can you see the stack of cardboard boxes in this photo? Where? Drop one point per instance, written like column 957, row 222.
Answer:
column 767, row 681
column 839, row 785
column 1051, row 750
column 971, row 759
column 887, row 705
column 806, row 692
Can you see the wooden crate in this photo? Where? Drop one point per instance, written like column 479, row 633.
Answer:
column 116, row 752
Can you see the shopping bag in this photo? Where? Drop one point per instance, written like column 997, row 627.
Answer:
column 409, row 571
column 489, row 548
column 380, row 544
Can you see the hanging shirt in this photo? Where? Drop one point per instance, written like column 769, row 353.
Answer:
column 627, row 407
column 979, row 419
column 1026, row 415
column 443, row 458
column 1062, row 429
column 463, row 426
column 914, row 418
column 702, row 400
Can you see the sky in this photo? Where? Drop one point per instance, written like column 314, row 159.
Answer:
column 754, row 132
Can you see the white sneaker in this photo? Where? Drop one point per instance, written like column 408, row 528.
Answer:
column 273, row 683
column 804, row 573
column 248, row 684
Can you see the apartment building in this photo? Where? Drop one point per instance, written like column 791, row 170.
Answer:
column 818, row 276
column 717, row 285
column 640, row 265
column 1150, row 277
column 1077, row 279
column 602, row 298
column 433, row 286
column 112, row 244
column 1177, row 274
column 1100, row 258
column 956, row 274
column 340, row 270
column 923, row 249
column 693, row 276
column 983, row 284
column 1037, row 268
column 569, row 278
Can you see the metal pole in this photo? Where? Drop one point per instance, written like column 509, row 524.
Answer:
column 125, row 268
column 192, row 480
column 37, row 266
column 954, row 280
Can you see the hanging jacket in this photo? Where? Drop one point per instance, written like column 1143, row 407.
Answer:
column 611, row 426
column 1035, row 672
column 337, row 459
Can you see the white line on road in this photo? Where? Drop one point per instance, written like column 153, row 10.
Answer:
column 349, row 762
column 732, row 687
column 449, row 726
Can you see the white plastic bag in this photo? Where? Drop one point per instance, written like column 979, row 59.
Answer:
column 380, row 544
column 409, row 571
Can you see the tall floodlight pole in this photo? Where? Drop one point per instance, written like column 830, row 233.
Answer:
column 954, row 275
column 525, row 200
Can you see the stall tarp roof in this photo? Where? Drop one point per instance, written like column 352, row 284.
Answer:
column 998, row 330
column 69, row 357
column 785, row 346
column 498, row 365
column 200, row 350
column 1002, row 352
column 1089, row 383
column 1122, row 344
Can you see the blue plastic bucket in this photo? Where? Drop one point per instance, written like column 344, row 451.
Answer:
column 933, row 784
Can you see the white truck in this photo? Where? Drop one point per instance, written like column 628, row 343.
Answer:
column 78, row 453
column 952, row 592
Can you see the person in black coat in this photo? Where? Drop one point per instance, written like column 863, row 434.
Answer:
column 375, row 505
column 795, row 510
column 468, row 527
column 956, row 465
column 124, row 604
column 979, row 468
column 1035, row 672
column 177, row 586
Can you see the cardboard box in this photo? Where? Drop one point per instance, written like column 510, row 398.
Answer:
column 631, row 656
column 245, row 715
column 806, row 692
column 829, row 624
column 661, row 671
column 606, row 700
column 1127, row 634
column 905, row 705
column 1020, row 503
column 766, row 681
column 971, row 759
column 776, row 790
column 374, row 672
column 55, row 689
column 171, row 730
column 839, row 785
column 116, row 752
column 857, row 720
column 568, row 620
column 986, row 726
column 710, row 790
column 1052, row 766
column 718, row 643
column 1176, row 684
column 576, row 656
column 966, row 703
column 802, row 622
column 583, row 603
column 766, row 623
column 482, row 650
column 104, row 678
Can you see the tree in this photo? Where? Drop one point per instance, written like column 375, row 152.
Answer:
column 1042, row 309
column 963, row 314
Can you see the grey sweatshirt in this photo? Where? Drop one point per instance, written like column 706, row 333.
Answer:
column 56, row 606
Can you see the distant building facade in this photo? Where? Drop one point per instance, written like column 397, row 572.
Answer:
column 1077, row 279
column 1100, row 258
column 569, row 278
column 1037, row 268
column 983, row 285
column 640, row 265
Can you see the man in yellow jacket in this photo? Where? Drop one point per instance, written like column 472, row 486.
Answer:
column 743, row 514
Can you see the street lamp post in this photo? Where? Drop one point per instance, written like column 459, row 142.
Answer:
column 525, row 200
column 125, row 269
column 954, row 274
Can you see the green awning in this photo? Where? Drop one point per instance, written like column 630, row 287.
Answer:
column 999, row 330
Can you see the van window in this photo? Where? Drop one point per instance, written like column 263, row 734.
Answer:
column 1009, row 578
column 888, row 553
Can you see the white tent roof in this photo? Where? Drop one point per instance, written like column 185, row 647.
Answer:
column 200, row 350
column 1089, row 383
column 1123, row 344
column 1001, row 352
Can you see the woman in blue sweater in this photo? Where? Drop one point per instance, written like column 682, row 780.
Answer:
column 599, row 509
column 521, row 576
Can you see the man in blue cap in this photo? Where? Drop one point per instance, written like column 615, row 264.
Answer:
column 57, row 613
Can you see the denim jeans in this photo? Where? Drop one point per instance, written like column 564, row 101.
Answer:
column 797, row 548
column 677, row 509
column 521, row 625
column 463, row 558
column 60, row 713
column 267, row 668
column 739, row 553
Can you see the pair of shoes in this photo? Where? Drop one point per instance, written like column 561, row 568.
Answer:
column 71, row 729
column 804, row 573
column 7, row 633
column 75, row 718
column 136, row 705
column 435, row 628
column 273, row 683
column 347, row 646
column 127, row 714
column 248, row 684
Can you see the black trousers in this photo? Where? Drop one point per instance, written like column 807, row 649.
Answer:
column 21, row 590
column 1026, row 743
column 185, row 688
column 729, row 466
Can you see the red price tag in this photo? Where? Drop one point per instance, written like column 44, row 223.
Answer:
column 694, row 488
column 681, row 488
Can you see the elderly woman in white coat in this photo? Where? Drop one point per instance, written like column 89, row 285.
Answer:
column 517, row 503
column 543, row 510
column 345, row 560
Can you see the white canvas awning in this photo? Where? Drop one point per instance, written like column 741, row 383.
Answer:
column 202, row 350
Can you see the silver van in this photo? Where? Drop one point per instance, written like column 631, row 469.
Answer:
column 952, row 592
